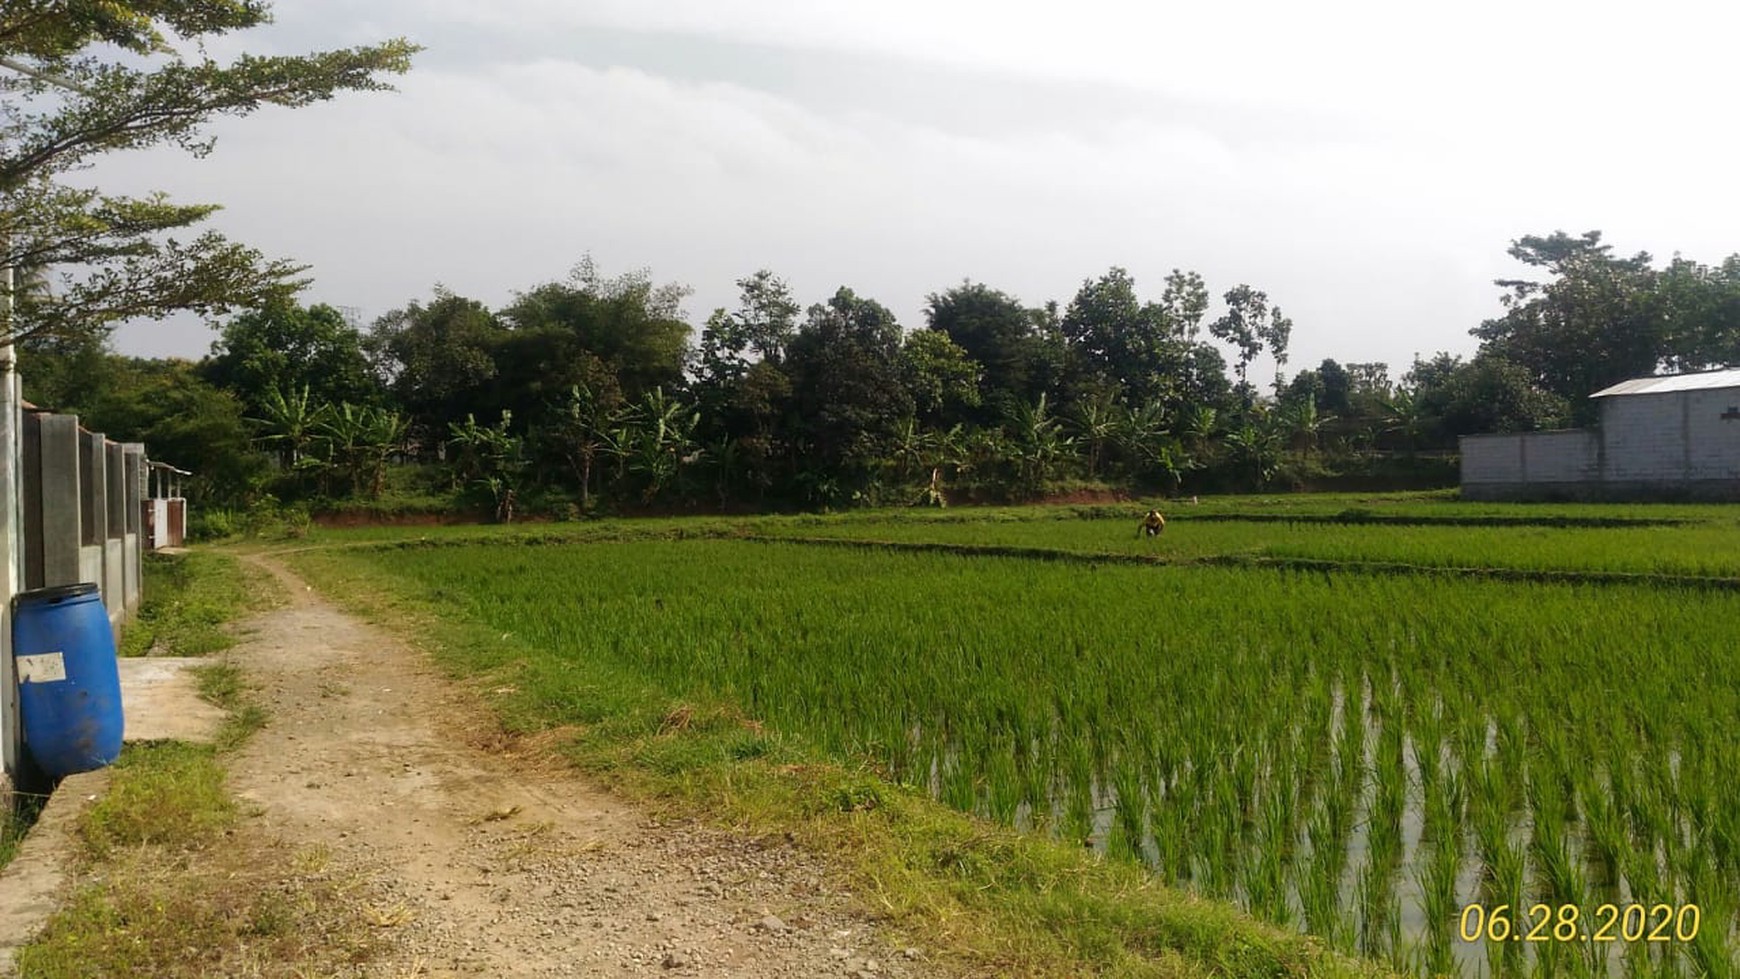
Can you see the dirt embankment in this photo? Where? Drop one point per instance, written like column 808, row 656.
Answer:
column 490, row 861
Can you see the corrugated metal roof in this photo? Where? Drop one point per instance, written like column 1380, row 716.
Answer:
column 1708, row 380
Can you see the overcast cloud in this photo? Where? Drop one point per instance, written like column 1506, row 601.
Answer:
column 1366, row 164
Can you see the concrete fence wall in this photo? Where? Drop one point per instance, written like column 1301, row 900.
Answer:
column 1672, row 445
column 82, row 498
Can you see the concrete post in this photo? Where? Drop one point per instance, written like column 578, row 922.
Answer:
column 11, row 535
column 115, row 520
column 60, row 491
column 30, row 496
column 93, row 512
column 51, row 500
column 133, row 497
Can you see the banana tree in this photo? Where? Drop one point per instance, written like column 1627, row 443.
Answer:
column 661, row 441
column 290, row 423
column 1095, row 423
column 1306, row 423
column 582, row 429
column 489, row 458
column 1038, row 442
column 345, row 431
column 384, row 433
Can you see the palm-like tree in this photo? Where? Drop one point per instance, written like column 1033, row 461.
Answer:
column 1258, row 449
column 1200, row 423
column 660, row 440
column 1306, row 422
column 1038, row 442
column 290, row 422
column 384, row 433
column 487, row 457
column 1404, row 415
column 583, row 425
column 1095, row 422
column 908, row 447
column 345, row 430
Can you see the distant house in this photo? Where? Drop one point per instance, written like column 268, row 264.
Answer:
column 1659, row 438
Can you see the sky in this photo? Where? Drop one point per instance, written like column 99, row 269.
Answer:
column 1365, row 164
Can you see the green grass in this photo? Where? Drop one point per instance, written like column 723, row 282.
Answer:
column 168, row 793
column 1706, row 547
column 1252, row 735
column 1423, row 530
column 188, row 598
column 176, row 885
column 1002, row 901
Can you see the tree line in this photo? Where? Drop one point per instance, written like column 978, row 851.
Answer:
column 593, row 392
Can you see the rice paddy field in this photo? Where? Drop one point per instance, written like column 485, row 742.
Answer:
column 1444, row 772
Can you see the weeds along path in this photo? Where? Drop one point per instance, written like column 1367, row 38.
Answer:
column 493, row 863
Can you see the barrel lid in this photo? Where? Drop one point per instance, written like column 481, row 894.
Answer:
column 56, row 594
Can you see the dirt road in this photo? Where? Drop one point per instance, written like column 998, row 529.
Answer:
column 483, row 863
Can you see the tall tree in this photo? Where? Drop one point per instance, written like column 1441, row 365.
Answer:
column 739, row 383
column 846, row 390
column 438, row 360
column 185, row 421
column 1000, row 335
column 82, row 79
column 758, row 330
column 1249, row 324
column 1140, row 351
column 287, row 347
column 941, row 378
column 635, row 327
column 1594, row 321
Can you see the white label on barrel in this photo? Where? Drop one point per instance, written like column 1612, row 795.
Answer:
column 41, row 668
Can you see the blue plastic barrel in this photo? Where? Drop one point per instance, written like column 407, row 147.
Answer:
column 69, row 685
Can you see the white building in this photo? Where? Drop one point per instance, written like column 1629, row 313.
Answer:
column 1672, row 437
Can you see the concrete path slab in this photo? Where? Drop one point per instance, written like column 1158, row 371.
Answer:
column 160, row 700
column 34, row 883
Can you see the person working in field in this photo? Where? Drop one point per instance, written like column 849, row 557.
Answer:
column 1153, row 523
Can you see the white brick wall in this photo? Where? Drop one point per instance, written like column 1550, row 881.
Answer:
column 1491, row 459
column 1644, row 437
column 1647, row 443
column 1535, row 457
column 1561, row 457
column 1715, row 441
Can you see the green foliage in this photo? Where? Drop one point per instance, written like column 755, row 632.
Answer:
column 1255, row 710
column 163, row 794
column 285, row 350
column 997, row 333
column 182, row 419
column 488, row 459
column 1487, row 394
column 941, row 379
column 439, row 358
column 757, row 332
column 1599, row 319
column 188, row 598
column 66, row 99
column 846, row 390
column 629, row 325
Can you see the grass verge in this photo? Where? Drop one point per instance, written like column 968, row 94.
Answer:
column 989, row 899
column 177, row 884
column 188, row 599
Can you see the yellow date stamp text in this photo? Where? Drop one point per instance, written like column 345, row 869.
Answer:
column 1570, row 923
